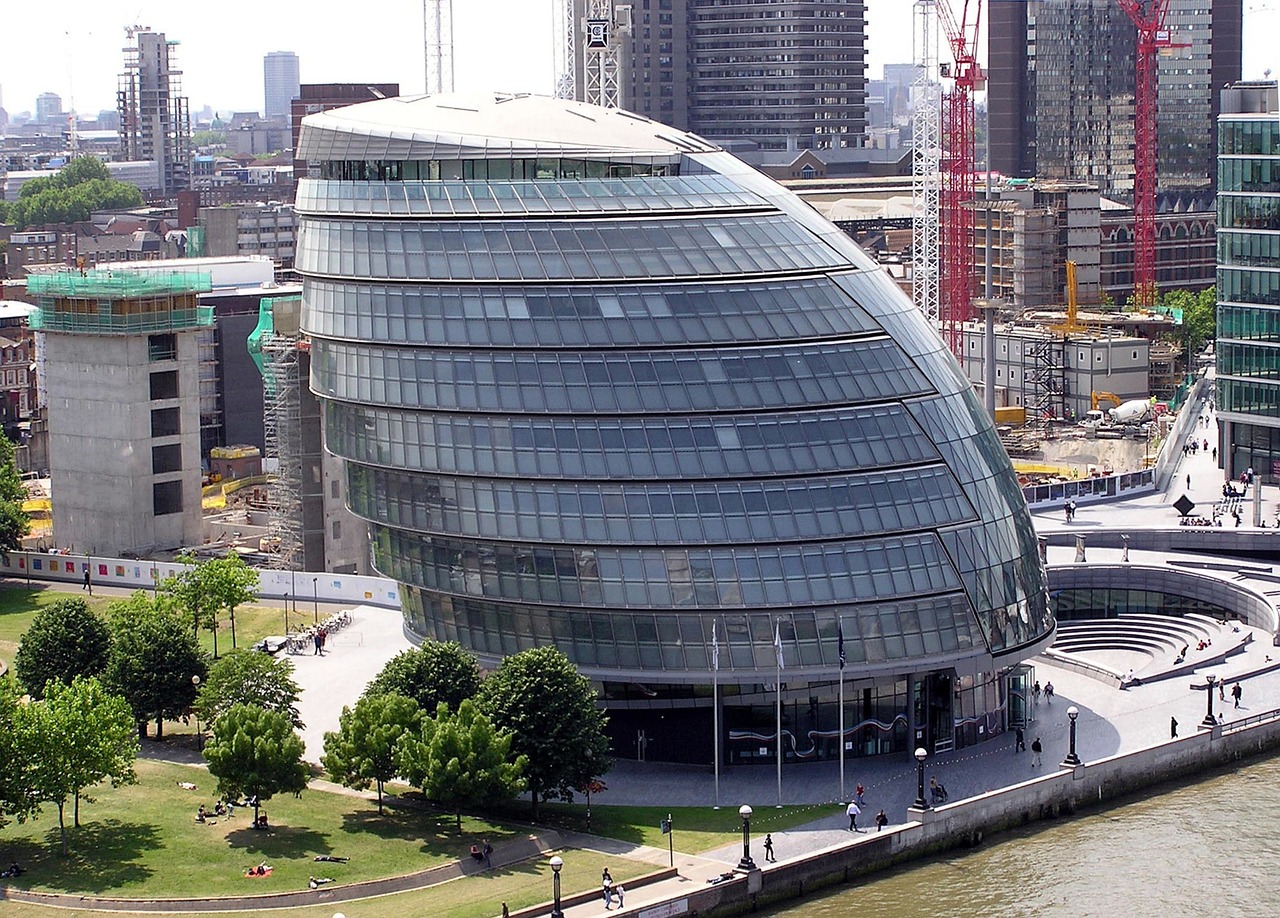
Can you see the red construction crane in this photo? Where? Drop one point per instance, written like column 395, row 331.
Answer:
column 1148, row 16
column 956, row 204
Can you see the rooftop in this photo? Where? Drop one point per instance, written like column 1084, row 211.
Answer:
column 479, row 125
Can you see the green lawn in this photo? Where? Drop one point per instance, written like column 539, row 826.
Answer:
column 18, row 606
column 142, row 841
column 696, row 828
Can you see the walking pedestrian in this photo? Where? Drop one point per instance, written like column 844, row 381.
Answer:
column 853, row 810
column 1173, row 728
column 1215, row 454
column 324, row 638
column 1188, row 481
column 487, row 850
column 506, row 912
column 1222, row 689
column 857, row 795
column 1236, row 692
column 1036, row 749
column 1019, row 740
column 619, row 891
column 882, row 820
column 88, row 584
column 1035, row 693
column 315, row 640
column 768, row 847
column 606, row 882
column 1048, row 693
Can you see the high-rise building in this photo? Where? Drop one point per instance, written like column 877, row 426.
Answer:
column 48, row 108
column 1061, row 81
column 280, row 83
column 788, row 75
column 602, row 386
column 1248, row 344
column 155, row 122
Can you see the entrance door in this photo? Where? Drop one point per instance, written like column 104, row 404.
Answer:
column 934, row 723
column 1019, row 686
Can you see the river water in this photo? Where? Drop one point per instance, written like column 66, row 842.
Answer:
column 1206, row 849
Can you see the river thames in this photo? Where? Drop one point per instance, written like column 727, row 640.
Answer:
column 1208, row 848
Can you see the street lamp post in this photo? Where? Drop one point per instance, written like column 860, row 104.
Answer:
column 286, row 613
column 556, row 864
column 1072, row 759
column 315, row 598
column 1209, row 720
column 746, row 863
column 195, row 680
column 921, row 755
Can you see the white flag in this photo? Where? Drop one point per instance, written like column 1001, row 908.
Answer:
column 715, row 649
column 777, row 643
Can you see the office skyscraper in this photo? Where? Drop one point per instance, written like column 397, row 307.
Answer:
column 155, row 121
column 280, row 83
column 1061, row 90
column 780, row 73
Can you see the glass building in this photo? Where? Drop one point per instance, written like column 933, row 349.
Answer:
column 1248, row 347
column 601, row 385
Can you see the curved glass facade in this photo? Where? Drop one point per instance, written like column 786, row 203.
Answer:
column 625, row 415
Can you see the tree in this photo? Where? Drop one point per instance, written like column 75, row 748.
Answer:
column 14, row 522
column 363, row 750
column 79, row 735
column 550, row 709
column 206, row 587
column 249, row 677
column 460, row 760
column 66, row 639
column 435, row 672
column 70, row 195
column 152, row 659
column 17, row 796
column 255, row 753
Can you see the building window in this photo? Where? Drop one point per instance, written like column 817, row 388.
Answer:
column 162, row 347
column 166, row 422
column 166, row 497
column 164, row 385
column 337, row 530
column 166, row 459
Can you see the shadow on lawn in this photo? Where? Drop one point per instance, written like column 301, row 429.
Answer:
column 279, row 841
column 435, row 831
column 103, row 857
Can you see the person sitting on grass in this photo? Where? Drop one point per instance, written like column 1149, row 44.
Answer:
column 201, row 814
column 262, row 870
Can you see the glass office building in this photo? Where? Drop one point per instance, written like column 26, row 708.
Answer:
column 1248, row 348
column 600, row 385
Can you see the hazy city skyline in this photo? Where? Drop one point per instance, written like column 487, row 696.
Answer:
column 499, row 44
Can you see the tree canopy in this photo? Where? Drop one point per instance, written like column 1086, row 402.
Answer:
column 460, row 760
column 255, row 753
column 207, row 586
column 434, row 672
column 249, row 677
column 152, row 659
column 72, row 194
column 66, row 639
column 549, row 708
column 77, row 736
column 14, row 522
column 17, row 795
column 363, row 750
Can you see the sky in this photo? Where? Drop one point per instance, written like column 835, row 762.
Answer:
column 74, row 47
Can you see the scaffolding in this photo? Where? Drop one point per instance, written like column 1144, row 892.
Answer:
column 1045, row 379
column 104, row 302
column 276, row 345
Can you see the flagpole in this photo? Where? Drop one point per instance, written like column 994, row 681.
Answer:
column 715, row 704
column 777, row 643
column 842, row 733
column 840, row 654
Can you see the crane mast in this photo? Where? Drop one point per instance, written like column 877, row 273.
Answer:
column 437, row 29
column 926, row 183
column 1149, row 18
column 957, row 198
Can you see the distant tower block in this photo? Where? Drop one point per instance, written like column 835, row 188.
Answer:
column 155, row 120
column 437, row 27
column 121, row 375
column 280, row 81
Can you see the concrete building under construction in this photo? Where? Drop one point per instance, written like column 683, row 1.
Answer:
column 120, row 358
column 155, row 120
